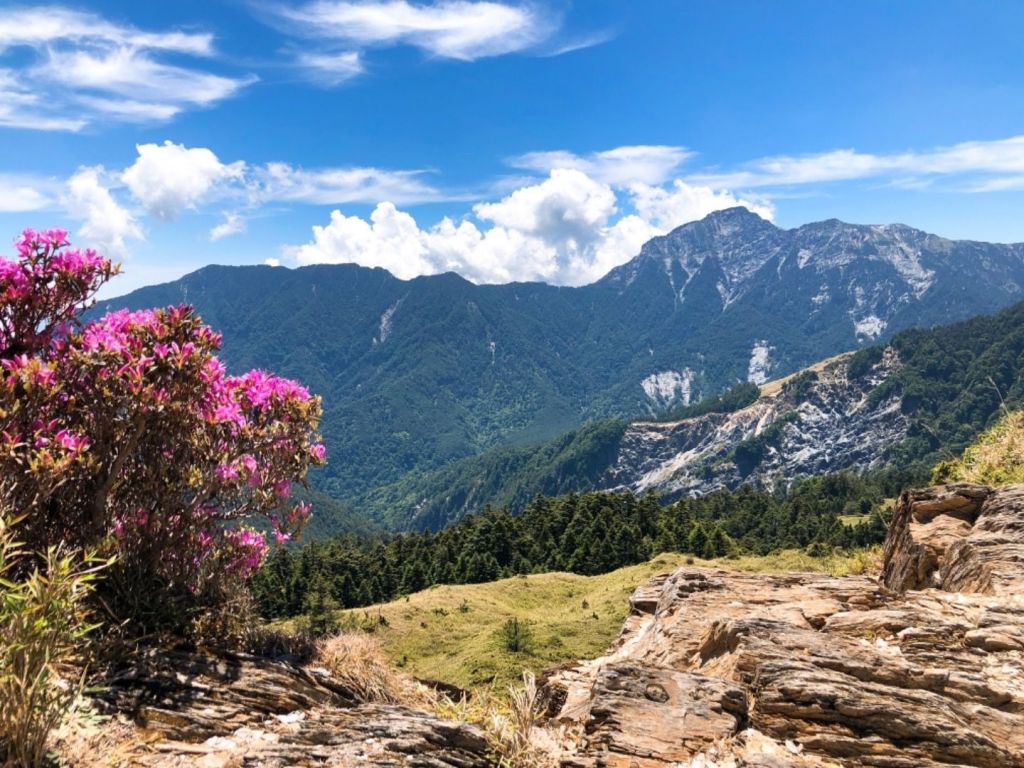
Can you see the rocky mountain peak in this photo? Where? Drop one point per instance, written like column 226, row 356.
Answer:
column 735, row 240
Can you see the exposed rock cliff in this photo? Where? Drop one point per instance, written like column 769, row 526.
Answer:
column 820, row 421
column 924, row 667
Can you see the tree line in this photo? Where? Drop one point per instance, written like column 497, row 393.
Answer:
column 587, row 533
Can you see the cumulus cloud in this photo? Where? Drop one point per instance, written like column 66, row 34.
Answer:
column 70, row 68
column 667, row 207
column 567, row 229
column 167, row 178
column 105, row 224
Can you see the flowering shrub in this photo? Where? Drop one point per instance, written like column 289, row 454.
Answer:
column 126, row 433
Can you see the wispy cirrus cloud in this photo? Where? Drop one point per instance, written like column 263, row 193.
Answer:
column 332, row 68
column 22, row 193
column 452, row 29
column 621, row 166
column 463, row 30
column 282, row 182
column 974, row 165
column 62, row 69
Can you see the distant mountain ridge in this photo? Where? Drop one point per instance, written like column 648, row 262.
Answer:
column 417, row 374
column 905, row 405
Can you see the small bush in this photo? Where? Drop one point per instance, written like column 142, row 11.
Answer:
column 358, row 662
column 321, row 608
column 516, row 636
column 263, row 640
column 42, row 626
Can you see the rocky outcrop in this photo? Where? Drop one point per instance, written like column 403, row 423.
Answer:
column 238, row 710
column 823, row 420
column 922, row 667
column 964, row 538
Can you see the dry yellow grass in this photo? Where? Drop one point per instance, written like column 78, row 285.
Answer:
column 358, row 661
column 997, row 458
column 853, row 563
column 775, row 386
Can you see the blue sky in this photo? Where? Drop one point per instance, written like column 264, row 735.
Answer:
column 503, row 140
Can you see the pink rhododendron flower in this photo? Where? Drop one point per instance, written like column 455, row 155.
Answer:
column 141, row 394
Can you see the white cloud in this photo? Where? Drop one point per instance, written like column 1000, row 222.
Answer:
column 233, row 224
column 647, row 164
column 332, row 68
column 20, row 194
column 106, row 225
column 334, row 186
column 970, row 158
column 667, row 208
column 272, row 262
column 133, row 75
column 45, row 25
column 22, row 107
column 81, row 68
column 565, row 230
column 167, row 178
column 454, row 29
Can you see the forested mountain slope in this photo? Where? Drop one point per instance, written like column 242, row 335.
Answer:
column 417, row 374
column 920, row 398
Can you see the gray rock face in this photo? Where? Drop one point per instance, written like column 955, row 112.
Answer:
column 718, row 668
column 238, row 710
column 832, row 426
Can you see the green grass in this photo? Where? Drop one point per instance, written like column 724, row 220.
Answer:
column 452, row 632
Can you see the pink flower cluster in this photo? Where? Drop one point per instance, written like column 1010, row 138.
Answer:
column 246, row 549
column 204, row 449
column 41, row 291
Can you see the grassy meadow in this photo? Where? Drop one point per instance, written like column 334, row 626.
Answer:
column 454, row 632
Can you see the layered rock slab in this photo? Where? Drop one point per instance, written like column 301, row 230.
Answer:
column 238, row 710
column 922, row 667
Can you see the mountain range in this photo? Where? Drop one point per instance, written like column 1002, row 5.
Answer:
column 897, row 408
column 418, row 374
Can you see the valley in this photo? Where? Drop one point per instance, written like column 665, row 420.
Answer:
column 511, row 384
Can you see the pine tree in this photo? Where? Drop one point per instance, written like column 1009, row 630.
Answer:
column 321, row 609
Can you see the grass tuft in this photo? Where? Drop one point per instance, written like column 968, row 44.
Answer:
column 358, row 661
